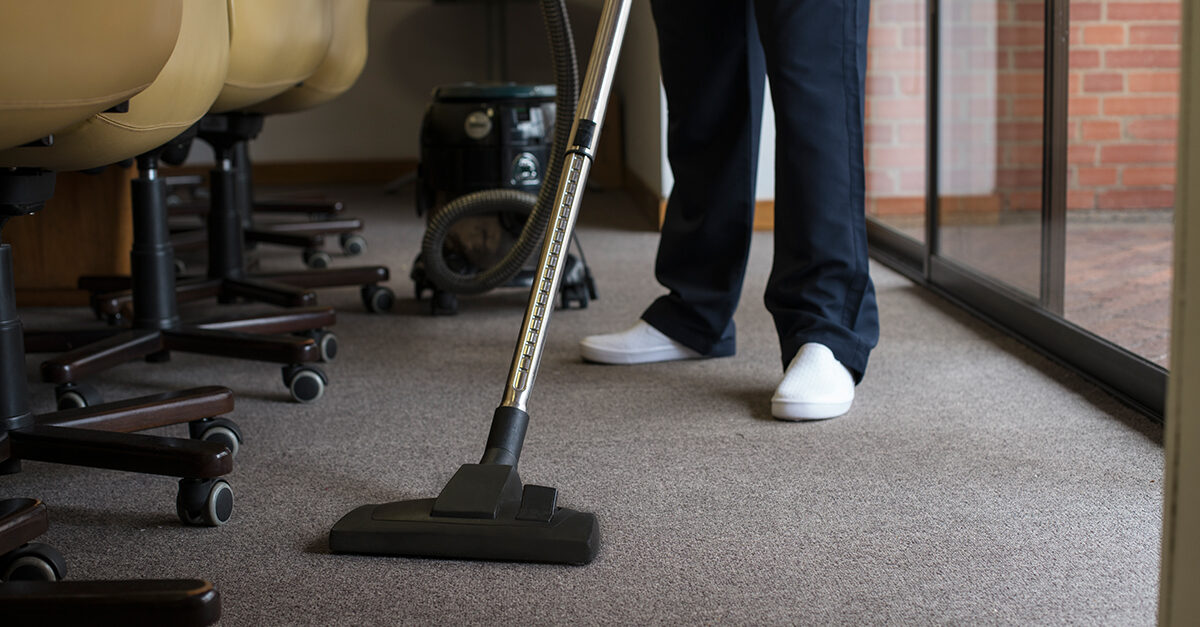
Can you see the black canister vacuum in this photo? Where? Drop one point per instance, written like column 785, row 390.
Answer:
column 485, row 512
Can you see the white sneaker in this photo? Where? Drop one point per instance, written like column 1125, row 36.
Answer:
column 816, row 386
column 641, row 344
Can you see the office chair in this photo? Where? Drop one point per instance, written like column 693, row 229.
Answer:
column 339, row 69
column 82, row 58
column 165, row 111
column 276, row 45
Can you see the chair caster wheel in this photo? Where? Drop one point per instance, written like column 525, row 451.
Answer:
column 353, row 244
column 378, row 299
column 328, row 343
column 316, row 259
column 219, row 430
column 443, row 303
column 306, row 383
column 73, row 395
column 32, row 562
column 204, row 502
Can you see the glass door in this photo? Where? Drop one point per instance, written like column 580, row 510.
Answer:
column 1053, row 124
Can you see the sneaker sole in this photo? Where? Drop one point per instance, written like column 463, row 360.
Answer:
column 599, row 355
column 794, row 411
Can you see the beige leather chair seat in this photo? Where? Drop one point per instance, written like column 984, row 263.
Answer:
column 181, row 93
column 274, row 45
column 66, row 60
column 340, row 67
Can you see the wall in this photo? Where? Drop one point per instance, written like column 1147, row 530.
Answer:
column 415, row 45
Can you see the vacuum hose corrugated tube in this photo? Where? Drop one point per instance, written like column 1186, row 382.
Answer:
column 539, row 208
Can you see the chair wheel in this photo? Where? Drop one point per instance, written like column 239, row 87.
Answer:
column 73, row 395
column 316, row 259
column 306, row 383
column 328, row 343
column 32, row 562
column 378, row 299
column 353, row 244
column 219, row 430
column 204, row 502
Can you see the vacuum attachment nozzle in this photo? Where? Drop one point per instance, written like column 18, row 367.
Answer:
column 483, row 513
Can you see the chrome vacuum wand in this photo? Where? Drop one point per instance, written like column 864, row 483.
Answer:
column 484, row 511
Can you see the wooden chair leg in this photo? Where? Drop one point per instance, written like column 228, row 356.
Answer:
column 175, row 602
column 272, row 348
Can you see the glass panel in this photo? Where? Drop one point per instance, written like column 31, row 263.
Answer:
column 895, row 116
column 992, row 54
column 1124, row 108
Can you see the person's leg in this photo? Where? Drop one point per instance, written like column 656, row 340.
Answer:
column 819, row 290
column 713, row 74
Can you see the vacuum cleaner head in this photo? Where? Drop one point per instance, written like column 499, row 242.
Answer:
column 484, row 512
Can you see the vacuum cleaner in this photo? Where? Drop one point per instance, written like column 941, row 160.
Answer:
column 486, row 179
column 484, row 512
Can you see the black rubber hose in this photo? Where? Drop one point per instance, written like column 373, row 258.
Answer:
column 540, row 207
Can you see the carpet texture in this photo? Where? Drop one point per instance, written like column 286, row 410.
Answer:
column 973, row 482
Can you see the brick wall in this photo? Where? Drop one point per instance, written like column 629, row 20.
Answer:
column 1123, row 105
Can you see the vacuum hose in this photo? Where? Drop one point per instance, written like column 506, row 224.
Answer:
column 540, row 207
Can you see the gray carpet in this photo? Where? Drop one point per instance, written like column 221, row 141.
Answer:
column 974, row 481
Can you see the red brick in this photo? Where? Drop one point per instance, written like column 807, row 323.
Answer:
column 1022, row 83
column 899, row 60
column 1023, row 60
column 1028, row 201
column 880, row 183
column 1154, row 82
column 1081, row 199
column 1104, row 35
column 1148, row 176
column 1096, row 177
column 898, row 11
column 898, row 109
column 1076, row 35
column 877, row 133
column 1140, row 11
column 1033, row 107
column 1153, row 129
column 1102, row 82
column 1138, row 153
column 1154, row 35
column 1085, row 11
column 1018, row 177
column 891, row 157
column 1007, row 36
column 1136, row 199
column 1100, row 130
column 912, row 182
column 1081, row 154
column 1084, row 59
column 1018, row 131
column 885, row 37
column 1141, row 105
column 1031, row 13
column 1074, row 83
column 1017, row 155
column 912, row 84
column 880, row 85
column 913, row 36
column 1083, row 106
column 912, row 134
column 1141, row 58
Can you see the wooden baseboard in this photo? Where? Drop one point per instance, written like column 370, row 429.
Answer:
column 316, row 172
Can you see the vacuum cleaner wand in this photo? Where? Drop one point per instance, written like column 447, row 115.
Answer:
column 484, row 511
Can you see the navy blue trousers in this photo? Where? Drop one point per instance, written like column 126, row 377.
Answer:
column 715, row 55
